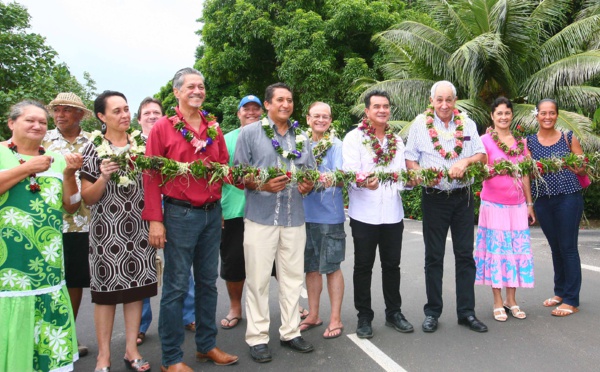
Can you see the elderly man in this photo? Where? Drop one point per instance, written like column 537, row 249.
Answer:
column 447, row 205
column 190, row 228
column 274, row 221
column 376, row 212
column 149, row 112
column 68, row 110
column 325, row 236
column 232, row 238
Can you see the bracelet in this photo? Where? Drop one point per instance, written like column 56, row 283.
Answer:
column 529, row 204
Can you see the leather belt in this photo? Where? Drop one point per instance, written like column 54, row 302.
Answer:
column 187, row 204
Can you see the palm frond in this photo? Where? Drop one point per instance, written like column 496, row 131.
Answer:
column 588, row 8
column 549, row 16
column 468, row 62
column 569, row 40
column 401, row 127
column 573, row 70
column 483, row 14
column 523, row 116
column 508, row 18
column 425, row 43
column 579, row 97
column 444, row 12
column 477, row 111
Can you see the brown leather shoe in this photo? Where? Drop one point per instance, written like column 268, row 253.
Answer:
column 218, row 356
column 179, row 367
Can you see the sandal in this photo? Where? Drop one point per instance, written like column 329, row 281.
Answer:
column 138, row 365
column 515, row 311
column 140, row 338
column 562, row 311
column 303, row 313
column 552, row 301
column 191, row 326
column 500, row 314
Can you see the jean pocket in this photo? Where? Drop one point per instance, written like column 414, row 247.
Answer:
column 335, row 247
column 175, row 211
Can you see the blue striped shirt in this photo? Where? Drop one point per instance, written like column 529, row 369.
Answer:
column 419, row 147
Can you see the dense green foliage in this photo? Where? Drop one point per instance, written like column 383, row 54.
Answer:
column 523, row 49
column 28, row 67
column 317, row 47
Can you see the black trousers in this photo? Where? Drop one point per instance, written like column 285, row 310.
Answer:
column 454, row 211
column 366, row 239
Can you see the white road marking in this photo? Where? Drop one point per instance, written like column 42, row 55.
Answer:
column 590, row 267
column 376, row 354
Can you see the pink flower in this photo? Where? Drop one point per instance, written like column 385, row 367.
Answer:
column 458, row 133
column 443, row 153
column 429, row 120
column 213, row 124
column 454, row 155
column 456, row 112
column 436, row 144
column 361, row 176
column 457, row 122
column 432, row 133
column 459, row 143
column 323, row 178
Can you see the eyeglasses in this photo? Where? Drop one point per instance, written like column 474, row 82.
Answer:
column 317, row 117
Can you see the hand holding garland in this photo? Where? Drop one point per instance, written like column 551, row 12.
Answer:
column 71, row 197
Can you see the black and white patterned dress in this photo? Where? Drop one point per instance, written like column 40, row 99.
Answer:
column 122, row 262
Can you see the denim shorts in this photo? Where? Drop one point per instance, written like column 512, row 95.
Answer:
column 325, row 247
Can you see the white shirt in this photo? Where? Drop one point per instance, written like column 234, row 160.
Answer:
column 380, row 206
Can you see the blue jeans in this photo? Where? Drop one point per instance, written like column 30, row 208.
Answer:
column 193, row 237
column 559, row 216
column 188, row 309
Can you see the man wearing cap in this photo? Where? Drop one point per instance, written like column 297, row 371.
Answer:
column 149, row 112
column 68, row 110
column 188, row 202
column 232, row 237
column 274, row 221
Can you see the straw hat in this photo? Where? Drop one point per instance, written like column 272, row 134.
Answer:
column 70, row 99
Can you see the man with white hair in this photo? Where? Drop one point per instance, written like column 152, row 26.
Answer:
column 444, row 138
column 186, row 137
column 68, row 111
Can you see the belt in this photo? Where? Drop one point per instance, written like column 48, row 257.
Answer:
column 187, row 204
column 432, row 190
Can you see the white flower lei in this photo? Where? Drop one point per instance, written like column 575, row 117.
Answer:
column 125, row 156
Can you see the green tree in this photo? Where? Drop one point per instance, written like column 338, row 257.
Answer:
column 523, row 49
column 317, row 47
column 28, row 67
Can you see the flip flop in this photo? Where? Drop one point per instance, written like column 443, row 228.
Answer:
column 229, row 326
column 303, row 313
column 332, row 330
column 309, row 326
column 552, row 302
column 562, row 312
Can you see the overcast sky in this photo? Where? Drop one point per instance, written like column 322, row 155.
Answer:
column 132, row 46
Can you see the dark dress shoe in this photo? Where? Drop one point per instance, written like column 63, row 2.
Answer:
column 260, row 353
column 364, row 329
column 430, row 324
column 399, row 323
column 473, row 323
column 298, row 344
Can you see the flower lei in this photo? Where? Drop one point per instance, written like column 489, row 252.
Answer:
column 291, row 155
column 34, row 186
column 382, row 157
column 324, row 144
column 458, row 134
column 125, row 157
column 504, row 147
column 200, row 145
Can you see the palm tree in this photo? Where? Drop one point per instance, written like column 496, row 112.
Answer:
column 525, row 50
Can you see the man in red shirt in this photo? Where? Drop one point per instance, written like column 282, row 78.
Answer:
column 190, row 228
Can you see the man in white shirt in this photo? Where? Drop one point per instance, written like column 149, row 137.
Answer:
column 376, row 212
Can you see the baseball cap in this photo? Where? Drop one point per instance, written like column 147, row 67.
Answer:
column 249, row 99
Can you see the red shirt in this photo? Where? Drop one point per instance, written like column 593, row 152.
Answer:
column 164, row 140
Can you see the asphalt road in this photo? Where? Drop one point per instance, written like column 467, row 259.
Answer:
column 539, row 343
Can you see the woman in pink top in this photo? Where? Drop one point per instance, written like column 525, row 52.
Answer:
column 502, row 251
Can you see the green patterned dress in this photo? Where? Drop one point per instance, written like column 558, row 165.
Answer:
column 37, row 329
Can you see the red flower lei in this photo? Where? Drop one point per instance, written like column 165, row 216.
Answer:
column 382, row 157
column 33, row 185
column 458, row 134
column 211, row 132
column 504, row 147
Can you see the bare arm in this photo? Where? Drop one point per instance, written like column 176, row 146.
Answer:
column 92, row 192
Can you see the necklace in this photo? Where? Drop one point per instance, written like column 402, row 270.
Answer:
column 125, row 156
column 291, row 155
column 199, row 144
column 382, row 156
column 458, row 134
column 323, row 145
column 34, row 186
column 504, row 147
